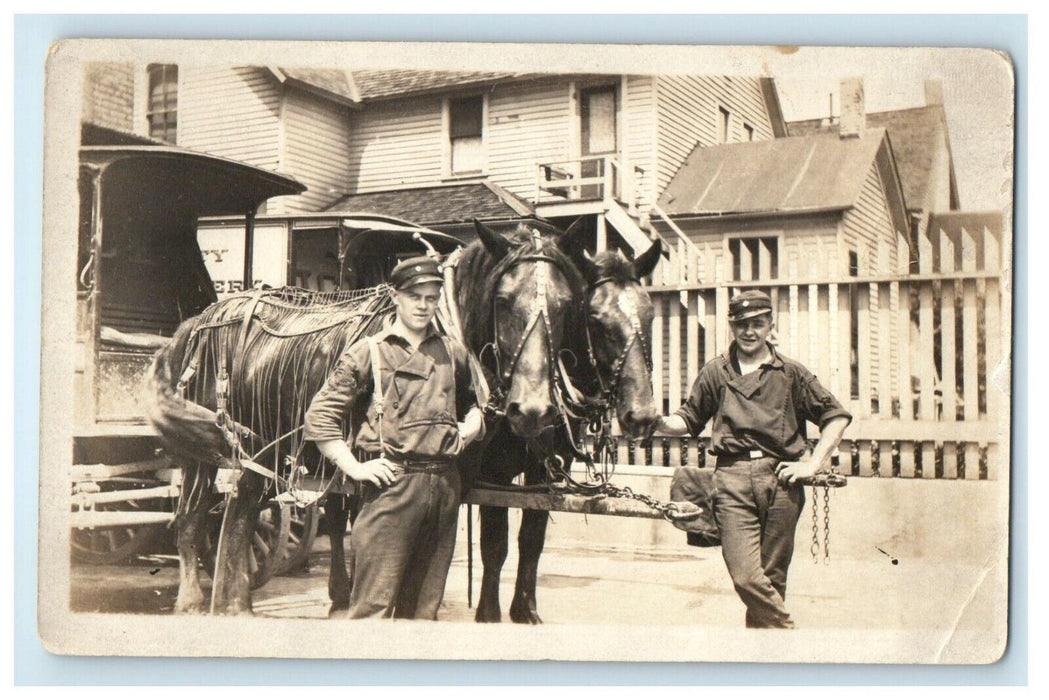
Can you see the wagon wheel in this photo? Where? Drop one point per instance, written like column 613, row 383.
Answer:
column 113, row 545
column 302, row 531
column 268, row 545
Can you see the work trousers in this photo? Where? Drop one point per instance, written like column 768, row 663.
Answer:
column 401, row 545
column 757, row 517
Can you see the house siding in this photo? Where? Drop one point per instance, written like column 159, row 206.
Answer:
column 687, row 113
column 109, row 95
column 395, row 144
column 247, row 128
column 528, row 123
column 316, row 140
column 639, row 133
column 867, row 223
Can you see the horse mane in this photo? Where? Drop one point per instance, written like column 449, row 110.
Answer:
column 479, row 274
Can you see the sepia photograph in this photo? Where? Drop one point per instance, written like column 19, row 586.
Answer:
column 526, row 351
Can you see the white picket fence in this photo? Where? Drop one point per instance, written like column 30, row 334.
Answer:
column 913, row 356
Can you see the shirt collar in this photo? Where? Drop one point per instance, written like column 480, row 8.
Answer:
column 389, row 331
column 731, row 361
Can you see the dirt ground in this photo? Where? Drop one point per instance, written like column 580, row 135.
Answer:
column 595, row 584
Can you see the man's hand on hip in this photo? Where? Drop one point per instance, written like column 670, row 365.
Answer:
column 792, row 472
column 378, row 471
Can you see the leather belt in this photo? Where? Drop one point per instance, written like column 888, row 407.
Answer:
column 415, row 466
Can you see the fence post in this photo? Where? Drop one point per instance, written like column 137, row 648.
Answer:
column 692, row 359
column 970, row 352
column 926, row 363
column 992, row 329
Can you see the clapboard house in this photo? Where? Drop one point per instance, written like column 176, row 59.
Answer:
column 922, row 147
column 293, row 120
column 557, row 146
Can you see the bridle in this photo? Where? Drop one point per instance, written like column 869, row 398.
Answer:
column 539, row 312
column 610, row 391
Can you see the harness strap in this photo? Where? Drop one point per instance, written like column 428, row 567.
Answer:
column 377, row 396
column 249, row 313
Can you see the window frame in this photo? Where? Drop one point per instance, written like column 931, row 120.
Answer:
column 149, row 112
column 447, row 170
column 723, row 123
column 778, row 271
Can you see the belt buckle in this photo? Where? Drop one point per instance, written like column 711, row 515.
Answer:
column 755, row 454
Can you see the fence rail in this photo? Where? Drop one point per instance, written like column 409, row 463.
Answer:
column 913, row 356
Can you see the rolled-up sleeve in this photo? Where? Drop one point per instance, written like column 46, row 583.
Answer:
column 702, row 401
column 816, row 403
column 331, row 405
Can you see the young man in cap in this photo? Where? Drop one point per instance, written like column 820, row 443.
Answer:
column 410, row 433
column 759, row 401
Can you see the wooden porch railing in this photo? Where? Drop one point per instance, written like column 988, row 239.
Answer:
column 587, row 178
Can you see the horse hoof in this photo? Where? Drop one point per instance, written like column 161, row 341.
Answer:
column 191, row 608
column 338, row 611
column 525, row 617
column 484, row 615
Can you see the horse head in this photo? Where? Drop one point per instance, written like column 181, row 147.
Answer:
column 618, row 332
column 515, row 317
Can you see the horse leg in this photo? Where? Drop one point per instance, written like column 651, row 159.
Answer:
column 530, row 541
column 234, row 596
column 191, row 525
column 494, row 544
column 336, row 512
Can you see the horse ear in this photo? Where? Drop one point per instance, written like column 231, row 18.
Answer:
column 496, row 245
column 646, row 262
column 572, row 240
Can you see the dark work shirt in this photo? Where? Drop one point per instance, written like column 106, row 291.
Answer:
column 427, row 391
column 763, row 410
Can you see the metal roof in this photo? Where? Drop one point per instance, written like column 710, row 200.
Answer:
column 917, row 135
column 799, row 174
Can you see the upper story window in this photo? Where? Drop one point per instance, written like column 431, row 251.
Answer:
column 466, row 135
column 162, row 108
column 724, row 120
column 748, row 132
column 754, row 258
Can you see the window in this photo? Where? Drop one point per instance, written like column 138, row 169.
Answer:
column 724, row 118
column 748, row 130
column 754, row 258
column 466, row 135
column 162, row 108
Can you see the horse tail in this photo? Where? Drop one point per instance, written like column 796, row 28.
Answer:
column 187, row 430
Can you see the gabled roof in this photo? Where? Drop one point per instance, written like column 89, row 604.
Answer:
column 439, row 204
column 334, row 83
column 377, row 84
column 788, row 175
column 916, row 134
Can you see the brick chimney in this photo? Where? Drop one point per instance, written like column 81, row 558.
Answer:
column 933, row 92
column 853, row 109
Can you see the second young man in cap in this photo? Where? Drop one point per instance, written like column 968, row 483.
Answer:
column 759, row 402
column 410, row 435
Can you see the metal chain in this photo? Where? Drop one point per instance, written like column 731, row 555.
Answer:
column 826, row 525
column 814, row 549
column 669, row 510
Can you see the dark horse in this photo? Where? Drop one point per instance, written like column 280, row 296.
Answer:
column 243, row 372
column 607, row 347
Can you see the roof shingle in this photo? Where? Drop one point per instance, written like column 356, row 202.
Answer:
column 438, row 204
column 374, row 84
column 331, row 80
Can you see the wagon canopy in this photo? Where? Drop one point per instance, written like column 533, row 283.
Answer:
column 139, row 210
